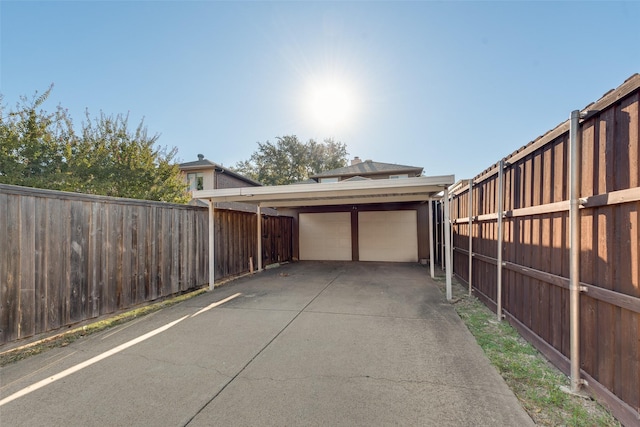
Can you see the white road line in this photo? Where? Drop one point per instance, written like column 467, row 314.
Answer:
column 118, row 349
column 89, row 362
column 215, row 304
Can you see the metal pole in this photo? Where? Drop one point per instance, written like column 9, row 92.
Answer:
column 451, row 230
column 470, row 235
column 447, row 243
column 259, row 236
column 212, row 246
column 500, row 215
column 574, row 251
column 442, row 239
column 437, row 227
column 431, row 255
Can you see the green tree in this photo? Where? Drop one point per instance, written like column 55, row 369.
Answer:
column 39, row 149
column 30, row 144
column 289, row 160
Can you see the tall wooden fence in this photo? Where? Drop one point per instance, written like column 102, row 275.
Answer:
column 536, row 243
column 66, row 258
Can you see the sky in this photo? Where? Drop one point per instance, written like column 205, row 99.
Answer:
column 449, row 86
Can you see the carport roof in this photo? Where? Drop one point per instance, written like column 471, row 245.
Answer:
column 341, row 193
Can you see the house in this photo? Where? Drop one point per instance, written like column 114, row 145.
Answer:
column 367, row 169
column 204, row 174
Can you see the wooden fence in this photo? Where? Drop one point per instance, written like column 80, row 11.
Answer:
column 66, row 258
column 236, row 234
column 536, row 243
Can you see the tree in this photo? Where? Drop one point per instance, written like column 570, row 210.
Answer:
column 40, row 149
column 289, row 160
column 30, row 149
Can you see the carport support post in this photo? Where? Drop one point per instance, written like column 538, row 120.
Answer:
column 431, row 231
column 442, row 240
column 447, row 243
column 212, row 236
column 259, row 236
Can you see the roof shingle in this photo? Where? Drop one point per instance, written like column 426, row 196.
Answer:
column 370, row 167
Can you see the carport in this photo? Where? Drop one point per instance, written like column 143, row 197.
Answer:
column 370, row 192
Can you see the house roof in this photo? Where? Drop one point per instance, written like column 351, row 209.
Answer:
column 204, row 164
column 340, row 193
column 356, row 178
column 369, row 167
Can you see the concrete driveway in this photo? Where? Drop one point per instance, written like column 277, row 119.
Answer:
column 304, row 344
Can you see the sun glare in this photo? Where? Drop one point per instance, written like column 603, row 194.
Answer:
column 330, row 104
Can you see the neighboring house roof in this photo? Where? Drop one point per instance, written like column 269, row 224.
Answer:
column 306, row 181
column 370, row 167
column 203, row 163
column 356, row 178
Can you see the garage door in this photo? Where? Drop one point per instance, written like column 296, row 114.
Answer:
column 388, row 236
column 325, row 236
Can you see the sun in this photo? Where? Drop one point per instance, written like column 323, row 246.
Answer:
column 330, row 103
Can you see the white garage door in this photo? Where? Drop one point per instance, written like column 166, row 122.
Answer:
column 325, row 236
column 388, row 236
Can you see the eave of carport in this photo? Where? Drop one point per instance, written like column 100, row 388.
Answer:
column 420, row 189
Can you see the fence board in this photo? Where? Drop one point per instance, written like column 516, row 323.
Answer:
column 78, row 283
column 26, row 284
column 40, row 267
column 97, row 238
column 4, row 271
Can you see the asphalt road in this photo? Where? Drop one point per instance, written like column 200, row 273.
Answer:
column 305, row 344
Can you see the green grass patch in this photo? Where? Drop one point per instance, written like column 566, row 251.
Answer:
column 66, row 338
column 534, row 381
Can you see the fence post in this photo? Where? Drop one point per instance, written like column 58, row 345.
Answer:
column 212, row 246
column 574, row 251
column 447, row 243
column 431, row 231
column 259, row 236
column 500, row 215
column 470, row 200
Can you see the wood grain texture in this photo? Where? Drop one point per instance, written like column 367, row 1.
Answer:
column 536, row 270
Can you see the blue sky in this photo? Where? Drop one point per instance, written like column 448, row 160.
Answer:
column 450, row 86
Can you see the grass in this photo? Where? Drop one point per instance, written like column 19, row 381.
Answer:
column 534, row 381
column 66, row 338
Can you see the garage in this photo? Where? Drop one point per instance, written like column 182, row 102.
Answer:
column 381, row 236
column 325, row 236
column 388, row 236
